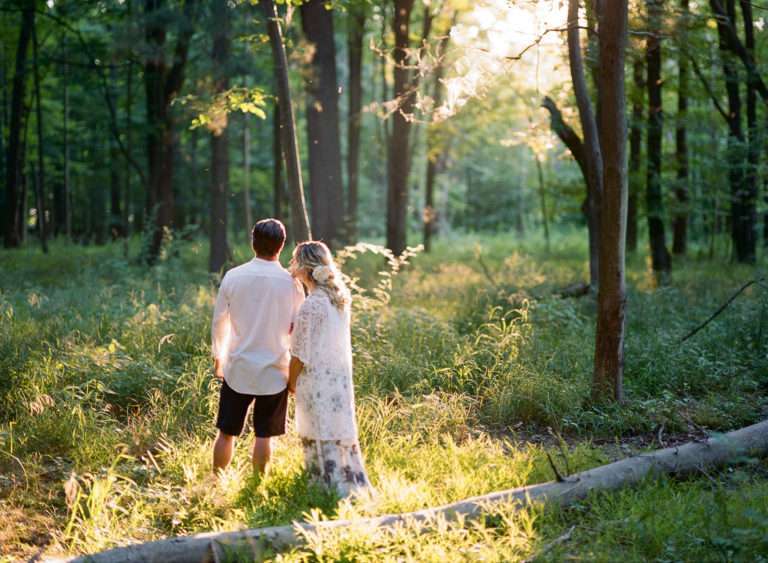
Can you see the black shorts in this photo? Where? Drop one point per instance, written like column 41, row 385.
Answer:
column 268, row 412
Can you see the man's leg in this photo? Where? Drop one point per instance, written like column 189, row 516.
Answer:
column 262, row 451
column 222, row 451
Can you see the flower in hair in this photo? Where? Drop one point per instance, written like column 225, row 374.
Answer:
column 322, row 273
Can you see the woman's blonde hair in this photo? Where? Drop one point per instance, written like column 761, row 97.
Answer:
column 316, row 257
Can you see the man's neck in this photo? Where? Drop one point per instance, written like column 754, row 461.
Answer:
column 268, row 258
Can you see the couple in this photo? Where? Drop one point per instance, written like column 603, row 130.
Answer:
column 268, row 340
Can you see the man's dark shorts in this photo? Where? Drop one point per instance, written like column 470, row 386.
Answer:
column 268, row 412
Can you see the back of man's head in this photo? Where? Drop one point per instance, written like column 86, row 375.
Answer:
column 268, row 238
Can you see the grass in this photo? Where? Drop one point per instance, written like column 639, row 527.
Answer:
column 468, row 368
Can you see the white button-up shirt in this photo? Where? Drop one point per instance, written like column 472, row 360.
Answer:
column 252, row 322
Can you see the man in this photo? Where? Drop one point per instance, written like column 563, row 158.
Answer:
column 250, row 334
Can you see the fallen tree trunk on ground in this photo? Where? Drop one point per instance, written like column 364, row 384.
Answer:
column 686, row 459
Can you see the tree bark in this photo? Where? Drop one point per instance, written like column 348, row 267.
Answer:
column 399, row 146
column 680, row 461
column 248, row 213
column 608, row 375
column 162, row 83
column 39, row 176
column 326, row 192
column 278, row 187
column 748, row 195
column 660, row 258
column 288, row 139
column 13, row 171
column 219, row 138
column 680, row 220
column 355, row 37
column 592, row 151
column 635, row 151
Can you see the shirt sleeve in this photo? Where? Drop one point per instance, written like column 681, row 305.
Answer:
column 220, row 325
column 306, row 324
column 298, row 301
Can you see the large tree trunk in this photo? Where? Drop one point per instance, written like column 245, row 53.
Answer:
column 288, row 140
column 660, row 258
column 40, row 172
column 592, row 153
column 635, row 151
column 399, row 139
column 611, row 298
column 326, row 191
column 680, row 220
column 162, row 84
column 355, row 37
column 219, row 138
column 13, row 170
column 688, row 459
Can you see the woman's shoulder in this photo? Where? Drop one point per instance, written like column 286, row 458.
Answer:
column 316, row 301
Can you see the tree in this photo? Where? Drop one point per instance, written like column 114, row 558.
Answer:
column 399, row 147
column 680, row 220
column 611, row 297
column 288, row 140
column 39, row 176
column 219, row 137
column 355, row 36
column 754, row 143
column 592, row 152
column 162, row 83
column 660, row 258
column 635, row 150
column 326, row 191
column 13, row 168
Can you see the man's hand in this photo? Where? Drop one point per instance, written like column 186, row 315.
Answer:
column 218, row 370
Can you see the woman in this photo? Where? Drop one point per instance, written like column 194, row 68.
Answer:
column 320, row 374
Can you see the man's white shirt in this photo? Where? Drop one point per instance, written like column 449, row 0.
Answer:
column 250, row 333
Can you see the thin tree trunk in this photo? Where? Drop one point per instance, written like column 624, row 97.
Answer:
column 355, row 37
column 660, row 258
column 13, row 170
column 542, row 200
column 754, row 145
column 127, row 192
column 635, row 151
column 248, row 214
column 39, row 176
column 680, row 220
column 288, row 139
column 611, row 298
column 399, row 146
column 593, row 155
column 278, row 189
column 116, row 226
column 326, row 192
column 220, row 138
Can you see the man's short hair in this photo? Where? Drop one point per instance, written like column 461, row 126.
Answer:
column 268, row 237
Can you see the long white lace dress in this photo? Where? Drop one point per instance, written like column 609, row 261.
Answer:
column 325, row 400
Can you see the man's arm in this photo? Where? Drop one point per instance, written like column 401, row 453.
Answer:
column 294, row 370
column 220, row 329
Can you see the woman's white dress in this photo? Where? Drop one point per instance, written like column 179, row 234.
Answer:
column 325, row 400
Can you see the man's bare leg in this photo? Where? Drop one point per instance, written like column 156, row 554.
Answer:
column 262, row 451
column 223, row 449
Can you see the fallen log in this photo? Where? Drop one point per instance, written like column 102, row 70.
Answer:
column 689, row 458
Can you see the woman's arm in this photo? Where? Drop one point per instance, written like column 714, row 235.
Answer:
column 294, row 369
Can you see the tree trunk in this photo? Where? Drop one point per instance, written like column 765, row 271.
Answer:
column 39, row 176
column 611, row 298
column 688, row 459
column 399, row 146
column 248, row 213
column 219, row 138
column 162, row 84
column 592, row 154
column 635, row 150
column 13, row 169
column 127, row 192
column 748, row 195
column 542, row 201
column 278, row 188
column 660, row 258
column 355, row 37
column 326, row 192
column 680, row 221
column 288, row 139
column 116, row 225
